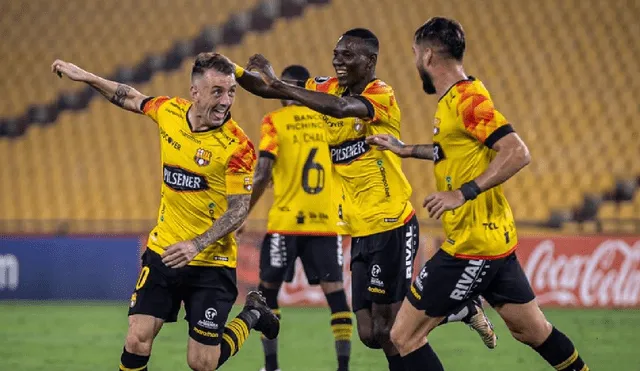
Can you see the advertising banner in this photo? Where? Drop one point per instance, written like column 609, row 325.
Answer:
column 62, row 268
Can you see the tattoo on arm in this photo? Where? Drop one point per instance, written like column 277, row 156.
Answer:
column 261, row 179
column 237, row 211
column 423, row 151
column 120, row 95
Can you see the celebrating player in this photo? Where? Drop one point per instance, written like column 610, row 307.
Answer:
column 208, row 165
column 294, row 153
column 380, row 217
column 475, row 150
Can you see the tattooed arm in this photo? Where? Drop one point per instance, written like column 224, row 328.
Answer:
column 387, row 142
column 121, row 95
column 237, row 211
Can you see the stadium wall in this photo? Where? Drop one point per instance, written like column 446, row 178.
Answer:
column 565, row 271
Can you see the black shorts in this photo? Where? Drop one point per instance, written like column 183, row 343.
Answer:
column 445, row 283
column 321, row 258
column 208, row 294
column 382, row 265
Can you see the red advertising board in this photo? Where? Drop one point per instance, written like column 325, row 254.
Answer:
column 587, row 271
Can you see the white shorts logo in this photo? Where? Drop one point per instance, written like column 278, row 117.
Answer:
column 210, row 314
column 375, row 270
column 275, row 255
column 470, row 278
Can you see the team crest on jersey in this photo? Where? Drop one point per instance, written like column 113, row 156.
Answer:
column 202, row 157
column 436, row 126
column 358, row 125
column 248, row 184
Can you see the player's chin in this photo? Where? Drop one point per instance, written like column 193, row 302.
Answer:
column 343, row 80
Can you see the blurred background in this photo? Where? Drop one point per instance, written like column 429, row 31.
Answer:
column 80, row 178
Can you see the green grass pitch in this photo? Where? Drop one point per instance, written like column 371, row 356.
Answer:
column 89, row 336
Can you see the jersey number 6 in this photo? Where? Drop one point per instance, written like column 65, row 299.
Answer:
column 318, row 178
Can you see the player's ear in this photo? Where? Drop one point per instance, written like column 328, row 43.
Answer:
column 373, row 59
column 194, row 92
column 427, row 56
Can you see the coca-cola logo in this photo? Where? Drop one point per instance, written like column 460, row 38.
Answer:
column 607, row 274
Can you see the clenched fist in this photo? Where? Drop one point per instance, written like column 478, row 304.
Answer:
column 70, row 70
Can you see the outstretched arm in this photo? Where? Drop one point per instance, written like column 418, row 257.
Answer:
column 253, row 83
column 327, row 104
column 121, row 95
column 387, row 142
column 261, row 179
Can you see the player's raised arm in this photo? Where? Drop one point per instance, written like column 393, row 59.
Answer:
column 387, row 142
column 254, row 84
column 121, row 95
column 327, row 104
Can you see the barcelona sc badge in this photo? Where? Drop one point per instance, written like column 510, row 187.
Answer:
column 248, row 184
column 202, row 157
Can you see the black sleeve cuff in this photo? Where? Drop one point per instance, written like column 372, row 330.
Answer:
column 501, row 132
column 372, row 111
column 142, row 104
column 267, row 155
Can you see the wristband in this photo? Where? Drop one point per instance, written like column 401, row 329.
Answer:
column 470, row 190
column 239, row 71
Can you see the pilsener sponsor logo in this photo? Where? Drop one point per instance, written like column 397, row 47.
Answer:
column 348, row 151
column 180, row 179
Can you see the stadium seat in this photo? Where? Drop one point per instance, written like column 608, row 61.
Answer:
column 96, row 35
column 542, row 62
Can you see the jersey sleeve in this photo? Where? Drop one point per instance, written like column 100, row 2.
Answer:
column 151, row 106
column 379, row 99
column 481, row 119
column 269, row 144
column 239, row 174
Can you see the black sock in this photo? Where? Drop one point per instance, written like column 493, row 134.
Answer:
column 395, row 363
column 270, row 347
column 235, row 333
column 131, row 362
column 421, row 359
column 560, row 353
column 342, row 327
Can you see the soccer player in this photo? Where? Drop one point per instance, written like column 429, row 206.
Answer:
column 475, row 150
column 377, row 210
column 294, row 153
column 207, row 166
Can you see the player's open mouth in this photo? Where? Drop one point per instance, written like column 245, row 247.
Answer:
column 341, row 72
column 218, row 113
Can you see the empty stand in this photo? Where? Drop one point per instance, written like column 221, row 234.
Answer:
column 96, row 35
column 564, row 73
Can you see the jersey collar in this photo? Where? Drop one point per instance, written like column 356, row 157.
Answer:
column 469, row 78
